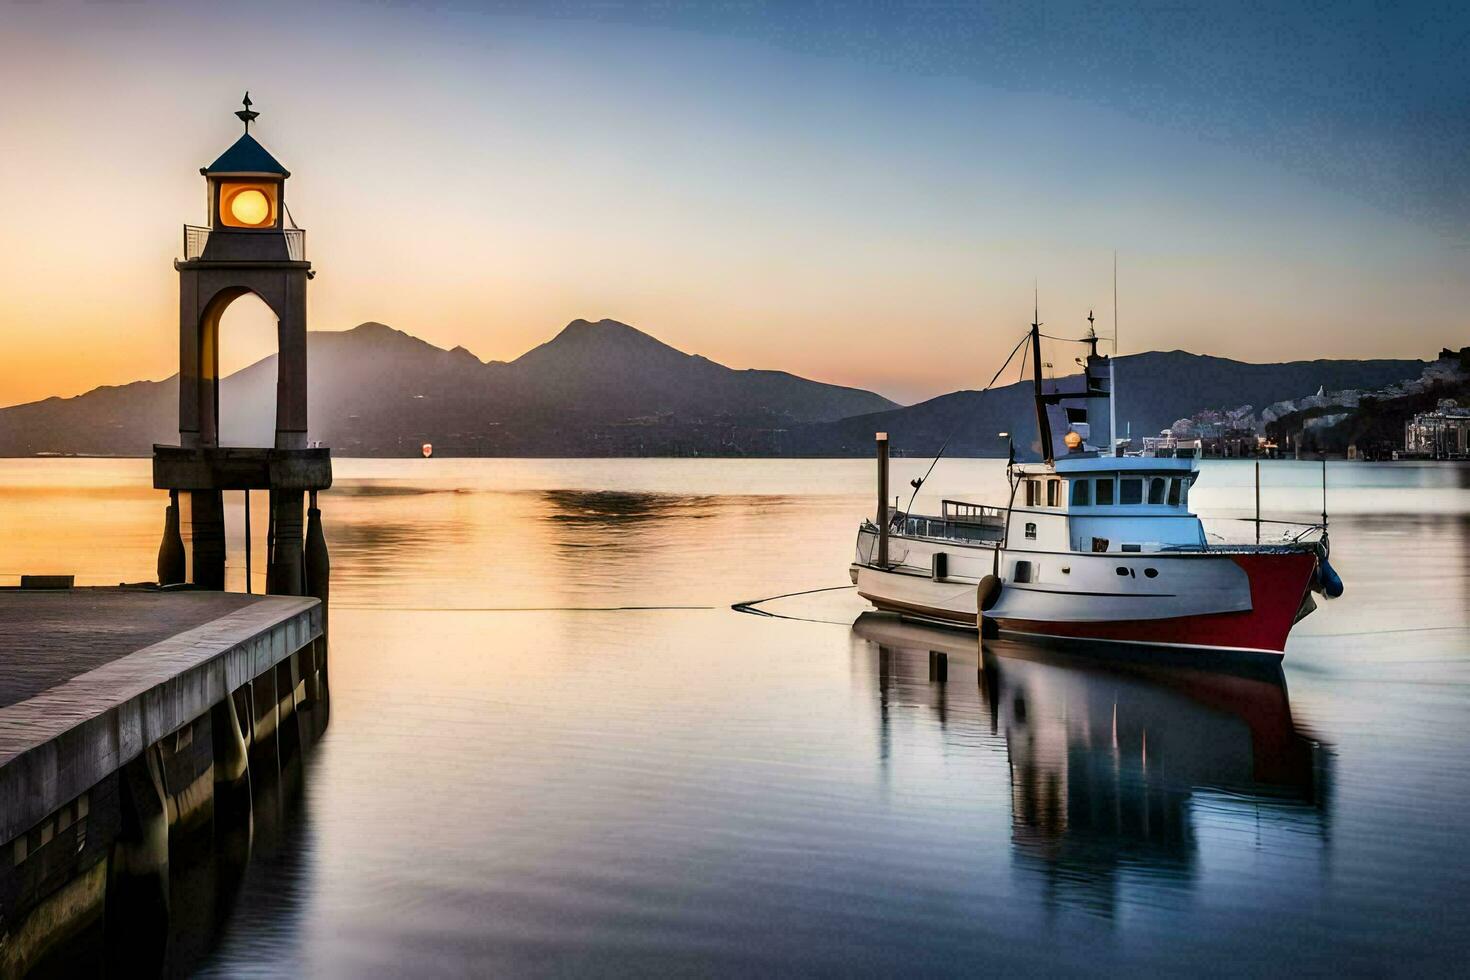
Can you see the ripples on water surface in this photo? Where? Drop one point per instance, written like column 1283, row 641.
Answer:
column 554, row 747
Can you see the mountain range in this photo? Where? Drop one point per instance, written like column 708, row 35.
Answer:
column 608, row 389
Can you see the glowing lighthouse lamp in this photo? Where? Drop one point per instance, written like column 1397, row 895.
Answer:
column 245, row 184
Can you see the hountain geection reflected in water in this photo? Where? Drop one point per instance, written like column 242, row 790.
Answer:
column 1112, row 762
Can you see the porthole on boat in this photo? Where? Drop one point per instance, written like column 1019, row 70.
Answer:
column 1151, row 572
column 1122, row 570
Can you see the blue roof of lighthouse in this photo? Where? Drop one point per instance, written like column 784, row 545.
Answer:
column 246, row 157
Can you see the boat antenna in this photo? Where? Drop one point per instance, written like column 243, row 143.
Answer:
column 916, row 484
column 1115, row 301
column 1113, row 363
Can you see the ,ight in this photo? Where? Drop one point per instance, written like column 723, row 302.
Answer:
column 1073, row 440
column 250, row 207
column 428, row 449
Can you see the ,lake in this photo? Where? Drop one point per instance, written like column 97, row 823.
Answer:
column 554, row 747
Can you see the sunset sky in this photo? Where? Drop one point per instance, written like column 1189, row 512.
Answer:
column 857, row 195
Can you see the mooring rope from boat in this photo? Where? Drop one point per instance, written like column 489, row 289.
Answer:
column 751, row 605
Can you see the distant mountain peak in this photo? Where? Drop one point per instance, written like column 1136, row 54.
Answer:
column 605, row 343
column 371, row 327
column 605, row 328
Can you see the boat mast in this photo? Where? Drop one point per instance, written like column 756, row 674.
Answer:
column 1113, row 366
column 1043, row 424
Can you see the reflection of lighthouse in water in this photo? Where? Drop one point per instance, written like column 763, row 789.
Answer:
column 1109, row 769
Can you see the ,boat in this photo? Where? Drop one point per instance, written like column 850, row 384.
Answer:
column 1092, row 545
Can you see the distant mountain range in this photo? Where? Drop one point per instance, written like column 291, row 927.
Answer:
column 1154, row 390
column 595, row 389
column 607, row 389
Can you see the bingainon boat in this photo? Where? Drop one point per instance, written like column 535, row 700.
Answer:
column 1092, row 545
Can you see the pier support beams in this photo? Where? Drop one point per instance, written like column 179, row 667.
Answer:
column 137, row 887
column 231, row 770
column 285, row 575
column 207, row 522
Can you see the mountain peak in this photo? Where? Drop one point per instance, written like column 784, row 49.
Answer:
column 372, row 327
column 608, row 343
column 605, row 328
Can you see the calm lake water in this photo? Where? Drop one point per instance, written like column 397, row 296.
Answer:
column 554, row 747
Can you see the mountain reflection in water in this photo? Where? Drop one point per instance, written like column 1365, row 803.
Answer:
column 1110, row 763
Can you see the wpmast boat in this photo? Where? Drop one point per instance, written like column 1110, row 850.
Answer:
column 1093, row 545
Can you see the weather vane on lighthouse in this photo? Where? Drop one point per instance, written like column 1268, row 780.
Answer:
column 246, row 115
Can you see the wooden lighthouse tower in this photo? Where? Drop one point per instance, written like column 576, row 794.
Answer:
column 250, row 245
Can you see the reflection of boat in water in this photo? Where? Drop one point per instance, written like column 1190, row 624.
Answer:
column 1114, row 764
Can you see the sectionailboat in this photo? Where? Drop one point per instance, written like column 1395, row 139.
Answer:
column 1092, row 545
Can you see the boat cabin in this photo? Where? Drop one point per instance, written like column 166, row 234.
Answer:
column 1105, row 503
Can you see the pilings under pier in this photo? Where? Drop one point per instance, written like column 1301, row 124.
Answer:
column 137, row 726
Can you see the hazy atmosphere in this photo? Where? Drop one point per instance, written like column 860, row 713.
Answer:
column 770, row 185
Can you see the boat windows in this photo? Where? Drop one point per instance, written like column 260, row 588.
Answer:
column 1033, row 493
column 1131, row 547
column 1130, row 491
column 1104, row 492
column 1022, row 572
column 1081, row 493
column 1156, row 488
column 1184, row 493
column 1030, row 532
column 1151, row 572
column 1174, row 492
column 1123, row 570
column 1053, row 493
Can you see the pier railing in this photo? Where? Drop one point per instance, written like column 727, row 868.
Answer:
column 196, row 239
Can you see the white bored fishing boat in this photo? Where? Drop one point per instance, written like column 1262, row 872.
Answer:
column 1092, row 545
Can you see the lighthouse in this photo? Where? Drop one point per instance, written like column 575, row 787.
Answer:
column 249, row 244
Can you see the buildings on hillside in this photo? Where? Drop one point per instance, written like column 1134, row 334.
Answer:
column 1441, row 434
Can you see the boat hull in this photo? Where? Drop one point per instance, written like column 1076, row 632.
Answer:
column 1245, row 602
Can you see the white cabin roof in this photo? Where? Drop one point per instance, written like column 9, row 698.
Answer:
column 1102, row 465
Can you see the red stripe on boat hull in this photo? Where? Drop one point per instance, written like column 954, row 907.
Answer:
column 1278, row 583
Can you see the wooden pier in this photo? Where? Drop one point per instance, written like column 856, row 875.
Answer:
column 132, row 719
